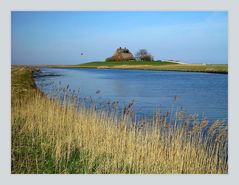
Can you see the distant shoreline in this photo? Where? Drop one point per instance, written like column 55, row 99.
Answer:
column 155, row 66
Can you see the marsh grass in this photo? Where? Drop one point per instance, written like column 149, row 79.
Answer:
column 53, row 137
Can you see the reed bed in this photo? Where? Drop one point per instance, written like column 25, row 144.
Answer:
column 53, row 137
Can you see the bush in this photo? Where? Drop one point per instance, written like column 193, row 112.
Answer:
column 110, row 59
column 148, row 57
column 143, row 55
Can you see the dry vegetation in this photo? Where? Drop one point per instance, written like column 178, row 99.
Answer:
column 50, row 137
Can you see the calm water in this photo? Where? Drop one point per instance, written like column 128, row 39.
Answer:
column 202, row 93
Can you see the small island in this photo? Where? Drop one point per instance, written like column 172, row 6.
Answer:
column 143, row 60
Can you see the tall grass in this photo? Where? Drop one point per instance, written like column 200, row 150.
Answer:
column 51, row 137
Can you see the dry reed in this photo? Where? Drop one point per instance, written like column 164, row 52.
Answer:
column 53, row 137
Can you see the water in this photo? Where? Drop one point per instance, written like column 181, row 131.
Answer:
column 203, row 93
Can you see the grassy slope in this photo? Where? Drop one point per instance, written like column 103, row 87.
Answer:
column 22, row 82
column 163, row 66
column 48, row 137
column 129, row 63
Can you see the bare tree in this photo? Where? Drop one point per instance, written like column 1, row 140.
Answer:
column 143, row 55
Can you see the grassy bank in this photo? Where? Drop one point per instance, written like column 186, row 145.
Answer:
column 162, row 66
column 49, row 137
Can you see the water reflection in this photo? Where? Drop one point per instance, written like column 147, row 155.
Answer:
column 202, row 93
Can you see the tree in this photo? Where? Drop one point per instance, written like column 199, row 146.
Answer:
column 143, row 55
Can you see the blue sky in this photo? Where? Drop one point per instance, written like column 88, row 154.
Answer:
column 61, row 37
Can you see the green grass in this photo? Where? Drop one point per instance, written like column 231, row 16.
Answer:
column 149, row 65
column 50, row 137
column 119, row 63
column 22, row 83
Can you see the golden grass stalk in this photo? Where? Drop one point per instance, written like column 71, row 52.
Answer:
column 50, row 137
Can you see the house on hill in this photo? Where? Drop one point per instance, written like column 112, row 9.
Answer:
column 121, row 54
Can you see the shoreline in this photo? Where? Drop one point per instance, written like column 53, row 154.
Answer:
column 210, row 68
column 215, row 72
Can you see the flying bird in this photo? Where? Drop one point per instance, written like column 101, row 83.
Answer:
column 97, row 92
